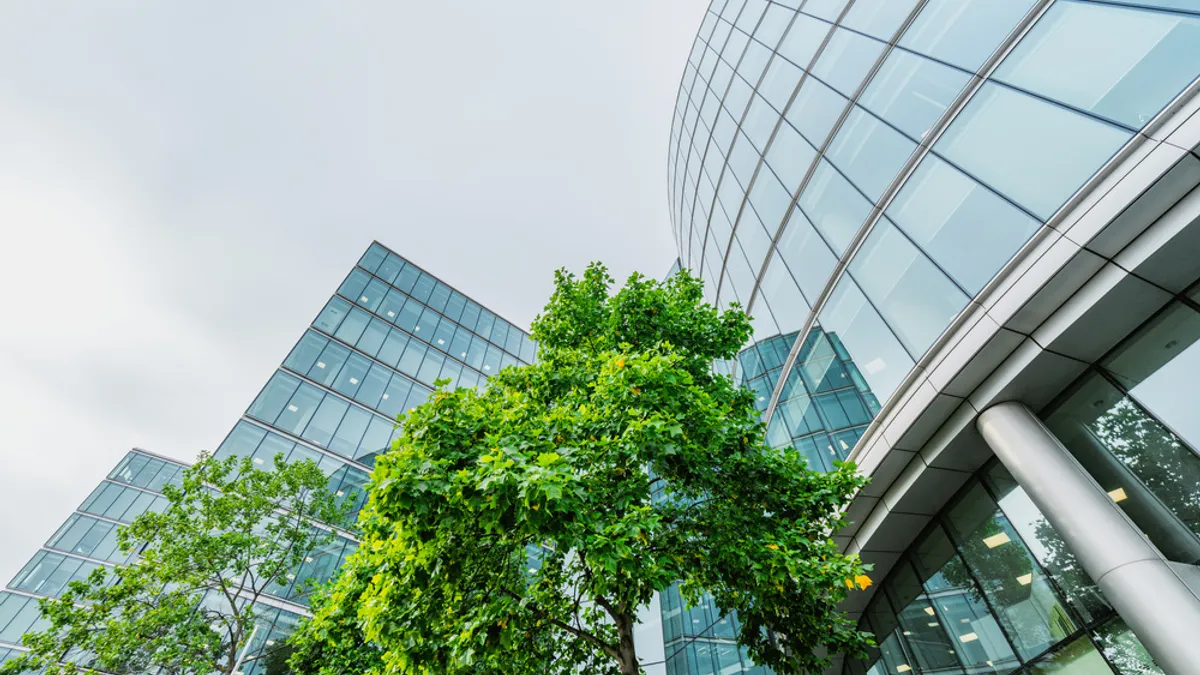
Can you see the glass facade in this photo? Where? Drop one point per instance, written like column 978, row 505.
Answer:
column 373, row 352
column 855, row 173
column 863, row 168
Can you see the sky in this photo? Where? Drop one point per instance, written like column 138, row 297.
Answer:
column 183, row 185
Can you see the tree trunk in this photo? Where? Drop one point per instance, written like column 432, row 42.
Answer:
column 626, row 653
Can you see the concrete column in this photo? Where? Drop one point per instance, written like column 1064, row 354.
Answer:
column 1158, row 606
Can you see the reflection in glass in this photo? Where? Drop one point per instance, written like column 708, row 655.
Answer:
column 846, row 60
column 1012, row 582
column 965, row 228
column 815, row 110
column 1002, row 134
column 869, row 152
column 879, row 355
column 912, row 92
column 1078, row 658
column 915, row 298
column 963, row 33
column 1123, row 64
column 1122, row 649
column 833, row 206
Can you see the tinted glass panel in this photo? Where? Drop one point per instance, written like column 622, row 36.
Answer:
column 912, row 92
column 963, row 33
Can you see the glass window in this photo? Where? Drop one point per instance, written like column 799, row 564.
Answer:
column 1124, row 650
column 879, row 18
column 924, row 635
column 373, row 385
column 963, row 33
column 1003, row 133
column 423, row 288
column 846, row 60
column 751, row 13
column 916, row 299
column 299, row 410
column 442, row 334
column 875, row 350
column 354, row 325
column 373, row 337
column 242, row 441
column 390, row 268
column 351, row 376
column 869, row 152
column 779, row 82
column 392, row 302
column 773, row 23
column 350, row 431
column 413, row 355
column 783, row 296
column 331, row 316
column 430, row 367
column 1077, row 658
column 803, row 38
column 329, row 364
column 1145, row 468
column 376, row 438
column 770, row 202
column 455, row 305
column 273, row 397
column 372, row 258
column 790, row 156
column 1123, row 64
column 326, row 420
column 305, row 353
column 833, row 206
column 393, row 348
column 407, row 278
column 392, row 403
column 409, row 315
column 912, row 92
column 491, row 361
column 486, row 320
column 979, row 642
column 439, row 297
column 513, row 344
column 476, row 352
column 354, row 284
column 806, row 255
column 1046, row 545
column 372, row 295
column 826, row 9
column 470, row 315
column 753, row 62
column 1012, row 581
column 964, row 227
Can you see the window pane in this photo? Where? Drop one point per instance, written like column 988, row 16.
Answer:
column 879, row 18
column 331, row 317
column 273, row 397
column 329, row 364
column 833, row 206
column 354, row 325
column 1011, row 579
column 373, row 385
column 846, row 60
column 373, row 337
column 802, row 39
column 874, row 349
column 912, row 92
column 326, row 420
column 390, row 268
column 393, row 348
column 1003, row 134
column 372, row 295
column 916, row 299
column 1123, row 64
column 963, row 226
column 373, row 257
column 350, row 431
column 299, row 409
column 869, row 152
column 807, row 255
column 815, row 110
column 826, row 9
column 392, row 302
column 1078, row 658
column 963, row 33
column 783, row 296
column 351, row 377
column 1124, row 650
column 305, row 353
column 790, row 156
column 352, row 287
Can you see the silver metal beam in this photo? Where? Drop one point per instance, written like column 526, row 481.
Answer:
column 1155, row 602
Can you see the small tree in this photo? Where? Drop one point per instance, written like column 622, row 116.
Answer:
column 230, row 534
column 521, row 529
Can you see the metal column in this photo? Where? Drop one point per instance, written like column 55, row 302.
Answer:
column 1158, row 606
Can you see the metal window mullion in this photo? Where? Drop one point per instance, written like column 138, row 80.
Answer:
column 922, row 150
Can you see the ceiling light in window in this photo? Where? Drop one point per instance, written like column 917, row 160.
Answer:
column 391, row 313
column 441, row 341
column 463, row 355
column 258, row 460
column 340, row 493
column 903, row 668
column 270, row 643
column 969, row 637
column 417, row 329
column 532, row 571
column 385, row 397
column 1118, row 495
column 320, row 364
column 308, row 559
column 996, row 540
column 1025, row 579
column 292, row 408
column 932, row 624
column 487, row 367
column 354, row 380
column 907, row 633
column 291, row 576
column 929, row 611
column 363, row 299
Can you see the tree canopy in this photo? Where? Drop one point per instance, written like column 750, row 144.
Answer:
column 229, row 535
column 520, row 529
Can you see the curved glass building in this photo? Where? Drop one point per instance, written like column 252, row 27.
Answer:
column 968, row 232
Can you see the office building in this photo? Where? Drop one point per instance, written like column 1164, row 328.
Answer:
column 373, row 351
column 989, row 208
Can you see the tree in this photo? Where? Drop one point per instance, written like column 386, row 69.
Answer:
column 519, row 530
column 230, row 534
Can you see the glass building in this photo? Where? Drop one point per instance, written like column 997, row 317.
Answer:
column 968, row 233
column 373, row 352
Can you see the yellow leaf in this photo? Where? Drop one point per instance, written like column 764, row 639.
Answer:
column 535, row 507
column 620, row 363
column 850, row 584
column 862, row 581
column 635, row 390
column 773, row 547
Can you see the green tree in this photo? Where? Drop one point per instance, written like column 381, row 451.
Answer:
column 519, row 530
column 230, row 534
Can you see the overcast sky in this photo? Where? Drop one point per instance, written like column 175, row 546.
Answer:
column 183, row 185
